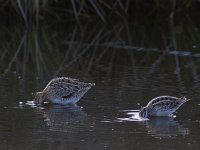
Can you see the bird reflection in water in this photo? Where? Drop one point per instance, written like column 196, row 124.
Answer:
column 165, row 127
column 64, row 118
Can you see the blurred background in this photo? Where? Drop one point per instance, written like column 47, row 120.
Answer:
column 54, row 36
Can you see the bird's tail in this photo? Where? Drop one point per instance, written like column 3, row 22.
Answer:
column 92, row 84
column 185, row 99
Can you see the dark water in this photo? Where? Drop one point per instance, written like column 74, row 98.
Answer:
column 94, row 123
column 130, row 64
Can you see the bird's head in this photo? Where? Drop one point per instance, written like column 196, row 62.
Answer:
column 38, row 97
column 144, row 112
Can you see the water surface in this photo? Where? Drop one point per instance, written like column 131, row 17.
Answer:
column 94, row 122
column 130, row 63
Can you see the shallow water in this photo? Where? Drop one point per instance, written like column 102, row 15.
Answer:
column 130, row 63
column 106, row 117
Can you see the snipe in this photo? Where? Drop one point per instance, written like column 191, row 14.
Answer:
column 63, row 90
column 162, row 106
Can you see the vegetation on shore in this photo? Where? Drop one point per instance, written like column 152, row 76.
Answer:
column 54, row 35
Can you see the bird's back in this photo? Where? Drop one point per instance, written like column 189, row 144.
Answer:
column 161, row 99
column 65, row 89
column 165, row 105
column 67, row 83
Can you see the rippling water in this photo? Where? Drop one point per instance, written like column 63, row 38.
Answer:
column 106, row 117
column 130, row 62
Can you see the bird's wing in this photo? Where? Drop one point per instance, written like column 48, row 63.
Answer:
column 64, row 90
column 161, row 99
column 66, row 87
column 62, row 80
column 167, row 104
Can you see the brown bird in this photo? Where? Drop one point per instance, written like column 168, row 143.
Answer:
column 63, row 90
column 162, row 106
